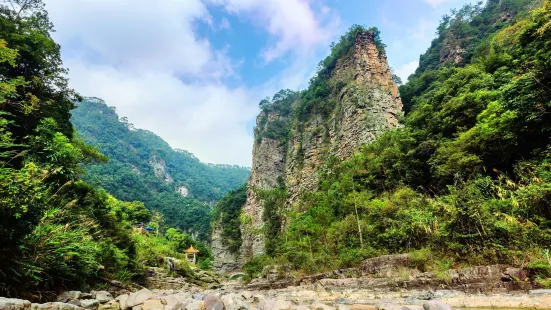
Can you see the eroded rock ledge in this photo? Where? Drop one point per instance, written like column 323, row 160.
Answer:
column 394, row 272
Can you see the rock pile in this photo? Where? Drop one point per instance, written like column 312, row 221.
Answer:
column 295, row 298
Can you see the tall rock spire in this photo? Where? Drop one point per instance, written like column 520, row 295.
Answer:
column 363, row 102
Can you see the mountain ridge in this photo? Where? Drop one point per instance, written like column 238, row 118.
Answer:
column 146, row 168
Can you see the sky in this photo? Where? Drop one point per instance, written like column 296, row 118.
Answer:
column 193, row 71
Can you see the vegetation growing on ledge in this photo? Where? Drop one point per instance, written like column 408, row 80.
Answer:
column 227, row 215
column 281, row 107
column 315, row 97
column 467, row 180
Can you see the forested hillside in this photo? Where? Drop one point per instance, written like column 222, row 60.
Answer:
column 144, row 167
column 56, row 231
column 466, row 180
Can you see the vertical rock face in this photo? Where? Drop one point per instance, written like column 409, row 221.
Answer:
column 267, row 171
column 225, row 260
column 364, row 103
column 367, row 105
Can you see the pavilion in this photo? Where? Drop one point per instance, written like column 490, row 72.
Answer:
column 191, row 254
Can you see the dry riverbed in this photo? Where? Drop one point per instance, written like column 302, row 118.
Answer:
column 299, row 298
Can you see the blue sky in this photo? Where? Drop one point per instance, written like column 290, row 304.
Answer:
column 193, row 71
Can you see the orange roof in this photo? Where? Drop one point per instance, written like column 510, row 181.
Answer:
column 191, row 250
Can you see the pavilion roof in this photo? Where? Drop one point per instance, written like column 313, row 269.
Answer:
column 191, row 250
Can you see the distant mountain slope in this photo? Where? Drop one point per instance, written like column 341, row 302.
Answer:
column 461, row 35
column 143, row 167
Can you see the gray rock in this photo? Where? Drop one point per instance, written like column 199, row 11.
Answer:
column 436, row 305
column 541, row 291
column 138, row 297
column 123, row 301
column 234, row 302
column 258, row 298
column 195, row 304
column 180, row 305
column 386, row 307
column 320, row 306
column 102, row 296
column 89, row 303
column 55, row 306
column 67, row 296
column 153, row 304
column 270, row 304
column 362, row 307
column 213, row 302
column 170, row 300
column 75, row 302
column 14, row 304
column 111, row 305
column 247, row 295
column 344, row 301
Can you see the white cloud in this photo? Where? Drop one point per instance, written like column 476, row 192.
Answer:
column 146, row 59
column 136, row 34
column 210, row 120
column 293, row 22
column 405, row 70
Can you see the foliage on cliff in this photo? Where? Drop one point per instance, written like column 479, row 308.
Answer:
column 291, row 108
column 315, row 97
column 469, row 174
column 227, row 213
column 144, row 167
column 459, row 35
column 56, row 231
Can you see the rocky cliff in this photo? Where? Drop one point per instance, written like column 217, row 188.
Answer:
column 297, row 132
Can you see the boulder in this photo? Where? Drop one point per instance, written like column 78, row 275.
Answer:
column 540, row 291
column 247, row 295
column 55, row 306
column 171, row 300
column 270, row 304
column 258, row 299
column 69, row 295
column 14, row 304
column 111, row 305
column 234, row 302
column 137, row 308
column 436, row 305
column 213, row 302
column 102, row 296
column 321, row 306
column 123, row 301
column 390, row 307
column 301, row 308
column 138, row 297
column 195, row 304
column 180, row 305
column 89, row 303
column 153, row 304
column 362, row 307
